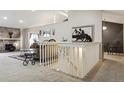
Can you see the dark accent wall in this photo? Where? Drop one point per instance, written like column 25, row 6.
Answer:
column 113, row 35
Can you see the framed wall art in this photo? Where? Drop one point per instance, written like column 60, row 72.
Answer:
column 83, row 33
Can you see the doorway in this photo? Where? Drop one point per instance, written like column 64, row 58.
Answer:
column 112, row 37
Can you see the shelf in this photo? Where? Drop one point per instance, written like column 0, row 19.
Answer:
column 9, row 39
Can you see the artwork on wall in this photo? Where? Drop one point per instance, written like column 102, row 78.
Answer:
column 83, row 33
column 40, row 32
column 53, row 31
column 47, row 33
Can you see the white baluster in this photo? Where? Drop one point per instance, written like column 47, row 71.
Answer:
column 40, row 54
column 43, row 54
column 50, row 52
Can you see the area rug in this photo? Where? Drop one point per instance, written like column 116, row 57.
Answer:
column 18, row 57
column 21, row 57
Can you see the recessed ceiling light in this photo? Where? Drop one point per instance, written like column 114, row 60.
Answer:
column 21, row 21
column 33, row 10
column 5, row 18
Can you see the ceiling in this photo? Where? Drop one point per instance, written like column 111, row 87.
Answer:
column 29, row 18
column 118, row 12
column 10, row 18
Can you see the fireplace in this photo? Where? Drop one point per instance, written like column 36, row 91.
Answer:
column 10, row 47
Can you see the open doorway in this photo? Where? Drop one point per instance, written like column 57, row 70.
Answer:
column 112, row 38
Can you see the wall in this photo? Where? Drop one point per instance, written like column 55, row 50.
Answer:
column 4, row 32
column 24, row 38
column 61, row 30
column 113, row 34
column 76, row 18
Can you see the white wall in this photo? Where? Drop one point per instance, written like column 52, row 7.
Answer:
column 61, row 30
column 76, row 18
column 25, row 42
column 83, row 17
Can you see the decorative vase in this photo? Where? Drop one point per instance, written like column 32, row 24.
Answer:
column 10, row 34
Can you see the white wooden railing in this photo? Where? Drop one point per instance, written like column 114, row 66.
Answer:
column 48, row 53
column 75, row 59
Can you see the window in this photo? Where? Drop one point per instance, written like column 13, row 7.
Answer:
column 33, row 38
column 46, row 34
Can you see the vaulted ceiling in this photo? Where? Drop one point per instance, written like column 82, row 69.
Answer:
column 27, row 18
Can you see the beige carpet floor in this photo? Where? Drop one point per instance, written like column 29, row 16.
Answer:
column 111, row 70
column 12, row 70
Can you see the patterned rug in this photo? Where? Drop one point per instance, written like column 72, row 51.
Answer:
column 18, row 57
column 21, row 57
